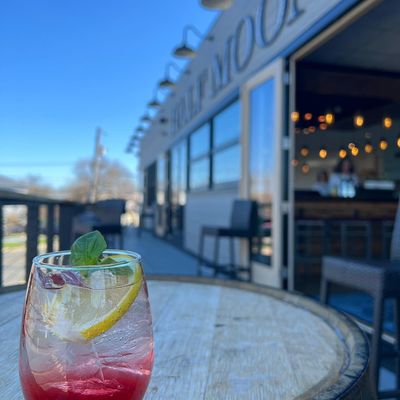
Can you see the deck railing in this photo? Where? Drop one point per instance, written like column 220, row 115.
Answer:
column 64, row 228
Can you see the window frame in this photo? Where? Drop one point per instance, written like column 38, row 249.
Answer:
column 220, row 148
column 203, row 156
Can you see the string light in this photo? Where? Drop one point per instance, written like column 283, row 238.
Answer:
column 295, row 163
column 358, row 120
column 351, row 145
column 354, row 151
column 323, row 153
column 387, row 122
column 295, row 116
column 323, row 127
column 304, row 151
column 308, row 116
column 398, row 141
column 305, row 168
column 312, row 129
column 383, row 144
column 329, row 118
column 342, row 152
column 321, row 118
column 368, row 148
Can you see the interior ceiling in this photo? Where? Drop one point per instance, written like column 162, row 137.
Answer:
column 356, row 70
column 371, row 42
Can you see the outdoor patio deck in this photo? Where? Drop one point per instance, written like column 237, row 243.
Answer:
column 159, row 257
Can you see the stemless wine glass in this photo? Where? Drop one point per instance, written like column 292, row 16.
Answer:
column 86, row 331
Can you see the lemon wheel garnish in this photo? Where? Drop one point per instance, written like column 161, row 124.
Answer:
column 81, row 314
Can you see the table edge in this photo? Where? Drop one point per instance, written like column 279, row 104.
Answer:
column 354, row 376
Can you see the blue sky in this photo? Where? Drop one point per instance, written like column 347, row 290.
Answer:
column 69, row 66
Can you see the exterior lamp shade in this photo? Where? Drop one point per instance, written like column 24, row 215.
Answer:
column 184, row 51
column 166, row 84
column 217, row 4
column 154, row 103
column 146, row 118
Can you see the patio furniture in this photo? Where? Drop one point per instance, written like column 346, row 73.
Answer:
column 109, row 214
column 104, row 216
column 381, row 280
column 275, row 346
column 243, row 225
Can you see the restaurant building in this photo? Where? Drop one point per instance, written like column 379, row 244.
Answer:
column 279, row 94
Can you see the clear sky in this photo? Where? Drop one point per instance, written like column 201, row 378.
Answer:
column 69, row 66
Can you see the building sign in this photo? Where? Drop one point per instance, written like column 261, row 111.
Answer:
column 260, row 30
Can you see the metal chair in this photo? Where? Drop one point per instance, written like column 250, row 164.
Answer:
column 243, row 225
column 381, row 280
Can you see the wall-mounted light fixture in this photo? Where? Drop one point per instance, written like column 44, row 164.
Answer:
column 167, row 82
column 154, row 103
column 146, row 118
column 217, row 4
column 184, row 50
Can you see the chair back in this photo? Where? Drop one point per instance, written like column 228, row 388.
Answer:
column 244, row 216
column 109, row 211
column 395, row 244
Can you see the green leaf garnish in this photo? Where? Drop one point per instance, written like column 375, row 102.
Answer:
column 108, row 260
column 87, row 249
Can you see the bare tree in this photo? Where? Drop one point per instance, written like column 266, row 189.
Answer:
column 114, row 181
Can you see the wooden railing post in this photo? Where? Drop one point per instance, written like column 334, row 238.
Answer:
column 50, row 227
column 32, row 232
column 67, row 213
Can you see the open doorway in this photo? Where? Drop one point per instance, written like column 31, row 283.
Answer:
column 346, row 157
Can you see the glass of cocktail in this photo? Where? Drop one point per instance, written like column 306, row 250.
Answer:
column 86, row 329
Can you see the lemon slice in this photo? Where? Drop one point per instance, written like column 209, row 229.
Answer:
column 80, row 314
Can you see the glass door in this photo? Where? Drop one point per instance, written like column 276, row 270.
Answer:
column 262, row 181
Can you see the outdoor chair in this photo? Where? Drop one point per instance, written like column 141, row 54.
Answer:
column 108, row 214
column 381, row 280
column 243, row 225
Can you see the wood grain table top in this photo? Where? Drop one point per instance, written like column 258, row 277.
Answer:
column 229, row 340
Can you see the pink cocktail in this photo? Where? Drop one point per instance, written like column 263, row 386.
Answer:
column 86, row 332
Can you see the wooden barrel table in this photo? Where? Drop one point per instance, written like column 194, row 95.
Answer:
column 229, row 340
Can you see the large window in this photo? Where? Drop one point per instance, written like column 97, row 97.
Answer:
column 216, row 144
column 200, row 158
column 226, row 148
column 261, row 163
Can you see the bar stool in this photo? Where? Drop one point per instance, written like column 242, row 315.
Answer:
column 356, row 230
column 381, row 280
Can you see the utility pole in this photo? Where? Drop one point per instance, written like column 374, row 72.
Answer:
column 98, row 154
